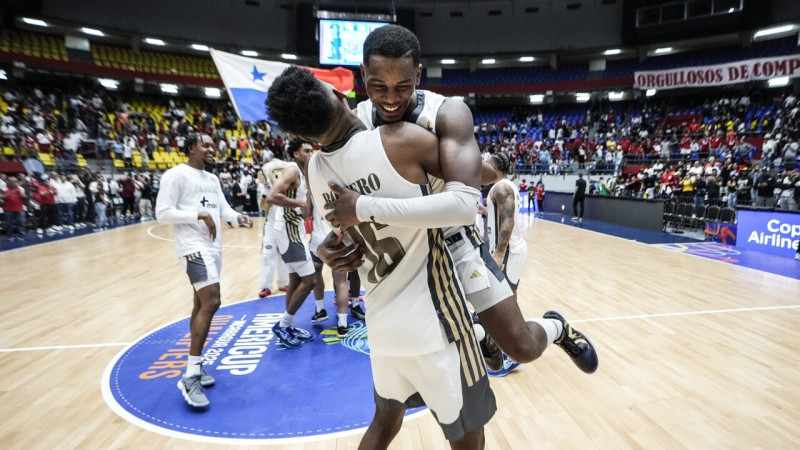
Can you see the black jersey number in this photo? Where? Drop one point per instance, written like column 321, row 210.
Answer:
column 384, row 254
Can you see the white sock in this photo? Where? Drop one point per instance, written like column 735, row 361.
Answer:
column 287, row 320
column 342, row 319
column 193, row 366
column 552, row 328
column 480, row 333
column 354, row 302
column 320, row 304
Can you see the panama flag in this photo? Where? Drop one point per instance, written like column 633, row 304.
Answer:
column 247, row 81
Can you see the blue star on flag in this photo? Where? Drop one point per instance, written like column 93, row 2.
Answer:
column 257, row 76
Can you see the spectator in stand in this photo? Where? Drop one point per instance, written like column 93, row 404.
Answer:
column 101, row 204
column 713, row 185
column 44, row 194
column 578, row 198
column 128, row 194
column 789, row 182
column 65, row 200
column 13, row 201
column 765, row 188
column 146, row 199
column 789, row 155
column 539, row 190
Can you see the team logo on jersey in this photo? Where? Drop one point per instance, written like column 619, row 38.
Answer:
column 207, row 203
column 263, row 393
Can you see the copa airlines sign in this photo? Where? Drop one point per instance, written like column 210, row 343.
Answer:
column 720, row 74
column 769, row 231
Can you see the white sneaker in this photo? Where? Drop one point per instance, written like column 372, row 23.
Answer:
column 797, row 256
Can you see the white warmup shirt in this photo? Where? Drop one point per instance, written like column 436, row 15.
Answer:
column 184, row 192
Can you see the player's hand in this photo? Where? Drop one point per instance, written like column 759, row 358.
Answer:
column 343, row 215
column 340, row 257
column 209, row 221
column 245, row 220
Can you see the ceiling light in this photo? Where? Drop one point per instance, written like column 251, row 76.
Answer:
column 662, row 50
column 488, row 61
column 92, row 31
column 527, row 59
column 778, row 82
column 772, row 31
column 200, row 47
column 616, row 95
column 613, row 51
column 731, row 10
column 109, row 83
column 537, row 98
column 448, row 61
column 154, row 41
column 168, row 88
column 213, row 92
column 458, row 97
column 249, row 53
column 3, row 75
column 582, row 97
column 291, row 56
column 650, row 92
column 37, row 22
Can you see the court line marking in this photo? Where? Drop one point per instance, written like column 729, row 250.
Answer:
column 153, row 235
column 599, row 319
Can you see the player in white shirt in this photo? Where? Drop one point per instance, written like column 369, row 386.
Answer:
column 271, row 262
column 288, row 195
column 505, row 224
column 391, row 71
column 422, row 345
column 191, row 199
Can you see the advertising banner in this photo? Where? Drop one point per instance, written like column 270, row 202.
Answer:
column 768, row 231
column 720, row 74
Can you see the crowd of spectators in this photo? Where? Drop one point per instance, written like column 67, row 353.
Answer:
column 610, row 135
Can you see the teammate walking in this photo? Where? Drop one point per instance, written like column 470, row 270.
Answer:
column 289, row 193
column 191, row 199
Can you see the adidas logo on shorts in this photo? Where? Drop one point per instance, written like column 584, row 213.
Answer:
column 475, row 274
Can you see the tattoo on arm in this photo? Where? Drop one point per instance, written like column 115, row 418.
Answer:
column 505, row 209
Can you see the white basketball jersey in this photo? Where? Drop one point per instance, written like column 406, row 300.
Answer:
column 292, row 216
column 415, row 303
column 515, row 242
column 424, row 115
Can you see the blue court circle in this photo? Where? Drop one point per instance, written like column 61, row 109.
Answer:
column 263, row 393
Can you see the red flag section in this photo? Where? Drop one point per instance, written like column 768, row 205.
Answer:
column 338, row 77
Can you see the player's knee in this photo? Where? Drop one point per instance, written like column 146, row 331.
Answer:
column 525, row 350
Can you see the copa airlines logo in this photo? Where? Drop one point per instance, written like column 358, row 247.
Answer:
column 263, row 393
column 769, row 231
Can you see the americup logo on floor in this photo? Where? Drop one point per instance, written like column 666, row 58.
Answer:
column 263, row 393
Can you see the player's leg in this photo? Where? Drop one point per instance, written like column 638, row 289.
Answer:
column 320, row 314
column 382, row 430
column 356, row 308
column 474, row 440
column 341, row 289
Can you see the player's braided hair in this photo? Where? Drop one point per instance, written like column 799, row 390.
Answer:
column 300, row 103
column 392, row 41
column 501, row 161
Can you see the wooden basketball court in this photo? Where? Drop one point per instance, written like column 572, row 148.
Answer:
column 693, row 353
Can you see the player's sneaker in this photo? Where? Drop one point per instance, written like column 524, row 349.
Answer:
column 506, row 368
column 576, row 344
column 264, row 293
column 341, row 332
column 301, row 334
column 205, row 379
column 285, row 335
column 320, row 316
column 491, row 352
column 357, row 312
column 193, row 391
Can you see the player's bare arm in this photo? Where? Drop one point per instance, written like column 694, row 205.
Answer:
column 503, row 197
column 290, row 178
